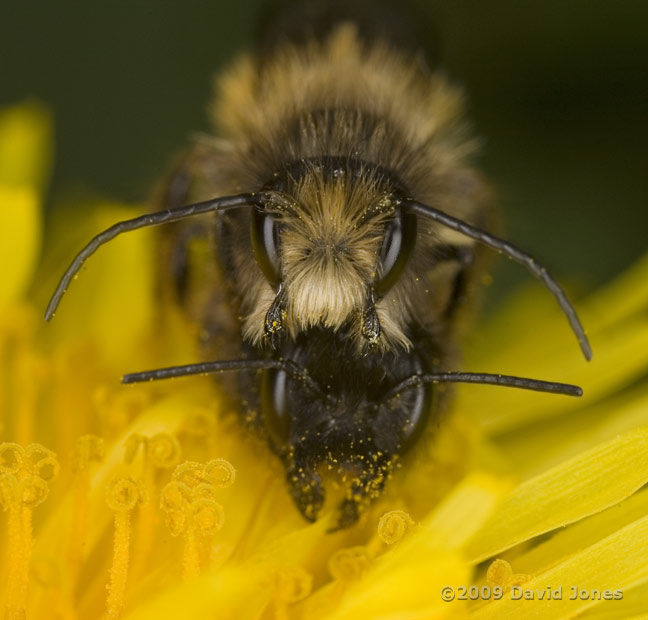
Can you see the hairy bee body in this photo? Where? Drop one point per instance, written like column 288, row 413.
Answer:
column 336, row 124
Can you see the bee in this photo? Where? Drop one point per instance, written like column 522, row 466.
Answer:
column 344, row 221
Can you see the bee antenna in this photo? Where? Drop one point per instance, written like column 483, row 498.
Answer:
column 488, row 379
column 203, row 368
column 223, row 203
column 514, row 253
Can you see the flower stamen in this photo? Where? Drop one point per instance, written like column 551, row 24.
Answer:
column 24, row 477
column 190, row 507
column 291, row 586
column 500, row 573
column 123, row 495
column 161, row 451
column 393, row 525
column 349, row 564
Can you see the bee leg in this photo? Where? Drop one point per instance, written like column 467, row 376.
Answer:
column 179, row 259
column 348, row 515
column 368, row 486
column 465, row 258
column 307, row 491
column 370, row 322
column 274, row 319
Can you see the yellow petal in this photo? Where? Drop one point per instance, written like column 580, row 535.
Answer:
column 633, row 606
column 535, row 448
column 616, row 562
column 111, row 300
column 621, row 357
column 569, row 541
column 615, row 319
column 509, row 331
column 464, row 511
column 235, row 593
column 406, row 581
column 25, row 144
column 406, row 586
column 20, row 240
column 567, row 493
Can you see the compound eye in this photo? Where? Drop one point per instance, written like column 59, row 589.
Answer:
column 419, row 405
column 419, row 412
column 264, row 231
column 400, row 237
column 274, row 406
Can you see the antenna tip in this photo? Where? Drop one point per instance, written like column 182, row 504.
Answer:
column 49, row 313
column 586, row 349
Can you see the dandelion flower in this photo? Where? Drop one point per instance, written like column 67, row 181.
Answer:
column 152, row 502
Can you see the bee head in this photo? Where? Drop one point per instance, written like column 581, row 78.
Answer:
column 331, row 242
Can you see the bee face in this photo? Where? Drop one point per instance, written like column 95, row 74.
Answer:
column 331, row 241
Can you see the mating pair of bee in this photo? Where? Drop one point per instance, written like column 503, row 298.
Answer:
column 344, row 224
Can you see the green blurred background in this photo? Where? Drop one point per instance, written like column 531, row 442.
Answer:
column 558, row 91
